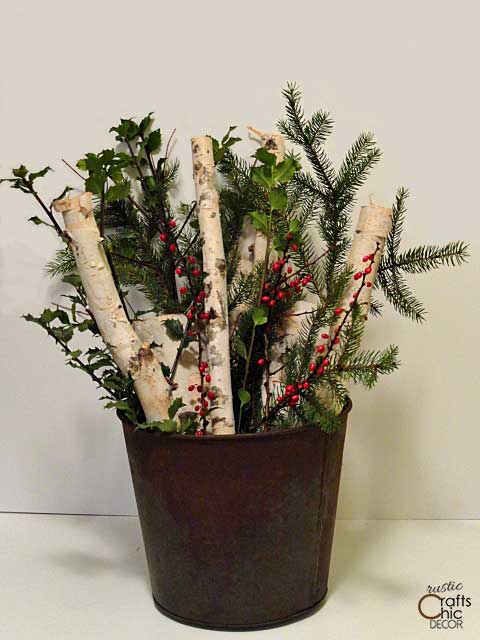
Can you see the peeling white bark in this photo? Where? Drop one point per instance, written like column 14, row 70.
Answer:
column 373, row 226
column 215, row 284
column 153, row 331
column 132, row 356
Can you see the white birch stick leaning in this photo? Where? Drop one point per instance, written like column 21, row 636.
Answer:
column 253, row 244
column 373, row 226
column 215, row 284
column 132, row 356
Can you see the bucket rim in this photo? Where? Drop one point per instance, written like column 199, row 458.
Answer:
column 234, row 437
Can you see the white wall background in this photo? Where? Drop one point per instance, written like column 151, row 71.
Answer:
column 408, row 71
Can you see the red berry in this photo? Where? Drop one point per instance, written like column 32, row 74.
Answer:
column 320, row 371
column 358, row 275
column 306, row 385
column 294, row 247
column 266, row 286
column 178, row 271
column 172, row 248
column 211, row 395
column 276, row 266
column 368, row 270
column 163, row 237
column 289, row 236
column 197, row 407
column 190, row 315
column 199, row 388
column 279, row 398
column 195, row 273
column 369, row 284
column 281, row 295
column 321, row 348
column 199, row 432
column 325, row 336
column 312, row 366
column 191, row 387
column 208, row 378
column 271, row 303
column 336, row 341
column 355, row 295
column 183, row 290
column 205, row 403
column 261, row 362
column 366, row 258
column 325, row 362
column 191, row 259
column 202, row 412
column 204, row 315
column 289, row 389
column 338, row 311
column 265, row 299
column 204, row 364
column 289, row 269
column 172, row 224
column 294, row 399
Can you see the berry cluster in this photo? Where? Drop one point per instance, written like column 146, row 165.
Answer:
column 294, row 392
column 168, row 236
column 204, row 396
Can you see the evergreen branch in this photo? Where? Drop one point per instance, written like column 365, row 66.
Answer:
column 398, row 294
column 426, row 258
column 366, row 366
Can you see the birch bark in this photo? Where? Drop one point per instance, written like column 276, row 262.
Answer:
column 132, row 356
column 215, row 285
column 373, row 226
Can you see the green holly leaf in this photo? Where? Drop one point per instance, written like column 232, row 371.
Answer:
column 294, row 226
column 174, row 329
column 285, row 170
column 240, row 348
column 175, row 406
column 259, row 316
column 260, row 221
column 265, row 157
column 145, row 123
column 154, row 141
column 244, row 397
column 118, row 192
column 168, row 426
column 263, row 176
column 279, row 243
column 95, row 183
column 278, row 198
column 36, row 220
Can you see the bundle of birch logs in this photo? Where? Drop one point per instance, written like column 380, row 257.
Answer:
column 131, row 345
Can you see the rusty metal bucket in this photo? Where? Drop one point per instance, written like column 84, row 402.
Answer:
column 238, row 530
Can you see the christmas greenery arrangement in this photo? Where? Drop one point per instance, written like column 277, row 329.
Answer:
column 254, row 297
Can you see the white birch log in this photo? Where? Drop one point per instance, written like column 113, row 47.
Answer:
column 132, row 356
column 373, row 226
column 215, row 284
column 252, row 243
column 153, row 331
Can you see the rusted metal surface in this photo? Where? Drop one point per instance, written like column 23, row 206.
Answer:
column 238, row 529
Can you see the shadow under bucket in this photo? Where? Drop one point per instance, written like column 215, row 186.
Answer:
column 238, row 529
